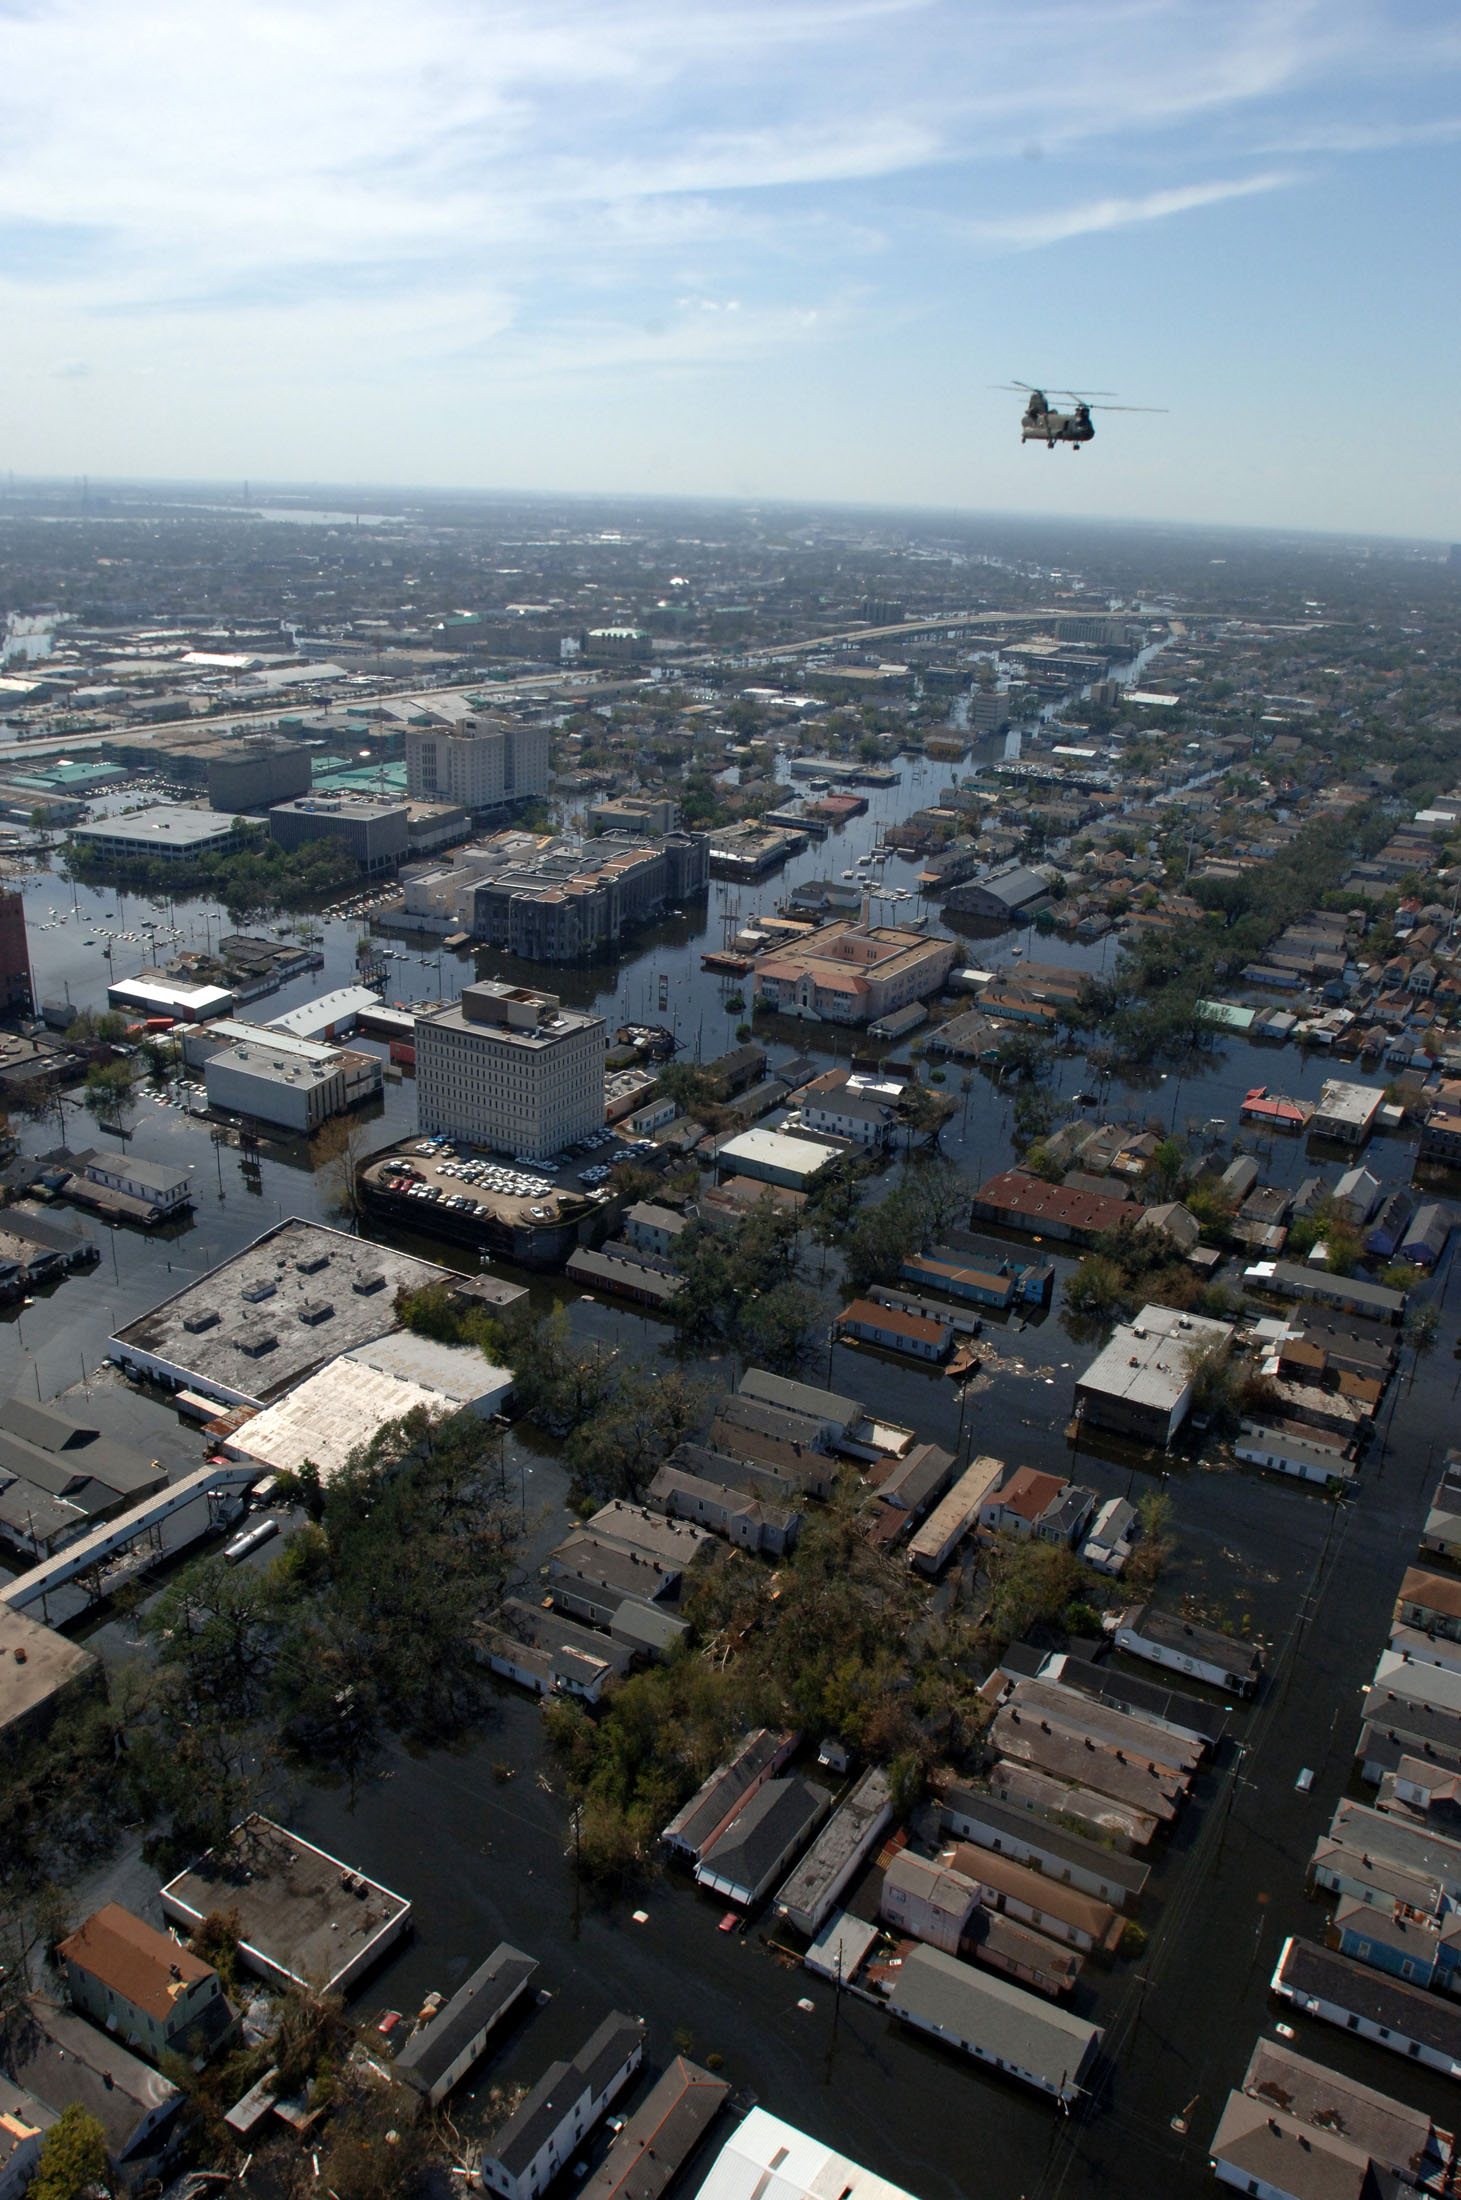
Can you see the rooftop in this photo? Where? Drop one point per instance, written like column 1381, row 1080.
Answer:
column 1005, row 2021
column 766, row 2159
column 169, row 824
column 562, row 2084
column 36, row 1663
column 302, row 1913
column 473, row 2008
column 251, row 1328
column 1149, row 1361
column 139, row 1964
column 660, row 2136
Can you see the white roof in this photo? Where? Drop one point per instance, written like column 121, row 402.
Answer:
column 328, row 1008
column 1149, row 1360
column 775, row 1150
column 455, row 1372
column 774, row 2161
column 334, row 1411
column 166, row 996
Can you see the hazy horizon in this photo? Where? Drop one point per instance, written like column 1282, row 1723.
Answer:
column 745, row 252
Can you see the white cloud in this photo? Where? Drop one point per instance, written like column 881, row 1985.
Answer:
column 1027, row 231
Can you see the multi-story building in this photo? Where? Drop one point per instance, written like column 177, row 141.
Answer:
column 375, row 832
column 16, row 997
column 853, row 973
column 632, row 813
column 553, row 899
column 562, row 2109
column 142, row 1985
column 249, row 775
column 510, row 1069
column 482, row 763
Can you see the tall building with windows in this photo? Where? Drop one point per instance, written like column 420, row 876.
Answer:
column 483, row 763
column 511, row 1069
column 16, row 998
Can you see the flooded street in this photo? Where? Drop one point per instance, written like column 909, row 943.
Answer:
column 476, row 1839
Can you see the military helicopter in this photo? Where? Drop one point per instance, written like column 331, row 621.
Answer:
column 1043, row 424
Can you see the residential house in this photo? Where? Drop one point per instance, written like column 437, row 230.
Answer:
column 545, row 2133
column 1029, row 1504
column 442, row 2050
column 143, row 1986
column 1186, row 1647
column 741, row 1863
column 1431, row 1603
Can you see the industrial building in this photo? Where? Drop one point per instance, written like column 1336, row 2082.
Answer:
column 341, row 1407
column 257, row 1324
column 774, row 1157
column 1346, row 1112
column 375, row 832
column 155, row 993
column 331, row 1015
column 1002, row 896
column 512, row 1070
column 846, row 973
column 1142, row 1383
column 556, row 899
column 272, row 1077
column 167, row 833
column 481, row 763
column 632, row 813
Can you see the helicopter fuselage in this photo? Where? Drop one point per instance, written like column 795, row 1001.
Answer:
column 1056, row 427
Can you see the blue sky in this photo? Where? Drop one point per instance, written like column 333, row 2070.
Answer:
column 773, row 248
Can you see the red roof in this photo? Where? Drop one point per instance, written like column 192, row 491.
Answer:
column 1031, row 1199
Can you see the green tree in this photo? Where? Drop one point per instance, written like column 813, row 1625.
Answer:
column 73, row 2156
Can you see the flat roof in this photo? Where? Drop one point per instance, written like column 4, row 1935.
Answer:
column 851, row 1827
column 343, row 1406
column 1146, row 1360
column 302, row 1912
column 36, row 1663
column 213, row 1330
column 169, row 824
column 1344, row 1102
column 799, row 1156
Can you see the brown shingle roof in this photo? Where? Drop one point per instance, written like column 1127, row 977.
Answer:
column 141, row 1965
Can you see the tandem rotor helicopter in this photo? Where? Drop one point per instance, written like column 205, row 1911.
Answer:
column 1043, row 424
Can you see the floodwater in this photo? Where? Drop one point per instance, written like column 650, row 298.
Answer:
column 478, row 1841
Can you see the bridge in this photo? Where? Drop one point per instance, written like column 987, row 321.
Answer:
column 89, row 1554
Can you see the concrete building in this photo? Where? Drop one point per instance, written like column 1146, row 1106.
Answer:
column 481, row 763
column 439, row 2053
column 275, row 1078
column 253, row 775
column 257, row 1324
column 330, row 1016
column 154, row 993
column 510, row 1069
column 296, row 1927
column 1142, row 1383
column 545, row 2133
column 375, row 831
column 632, row 813
column 853, row 973
column 40, row 1670
column 764, row 2155
column 155, row 1996
column 334, row 1412
column 1346, row 1112
column 167, row 833
column 996, row 2022
column 557, row 899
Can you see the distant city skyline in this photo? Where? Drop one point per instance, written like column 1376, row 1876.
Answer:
column 754, row 250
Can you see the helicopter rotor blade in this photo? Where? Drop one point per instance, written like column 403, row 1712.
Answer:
column 1083, row 393
column 1021, row 386
column 1130, row 408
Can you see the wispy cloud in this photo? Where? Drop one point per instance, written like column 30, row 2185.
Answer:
column 1027, row 231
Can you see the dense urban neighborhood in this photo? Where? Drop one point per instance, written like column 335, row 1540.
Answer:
column 730, row 1453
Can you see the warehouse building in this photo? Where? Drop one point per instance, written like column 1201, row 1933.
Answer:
column 167, row 833
column 773, row 1157
column 276, row 1078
